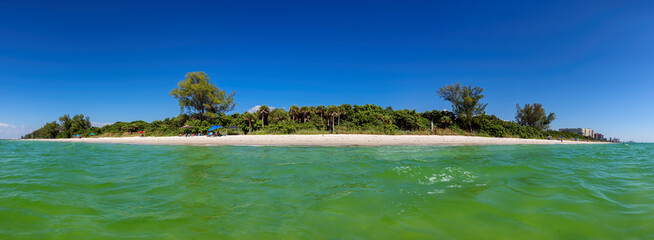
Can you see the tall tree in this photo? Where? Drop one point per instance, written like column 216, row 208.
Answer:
column 320, row 110
column 263, row 112
column 332, row 112
column 465, row 101
column 65, row 122
column 50, row 130
column 534, row 116
column 80, row 123
column 294, row 111
column 75, row 125
column 197, row 95
column 278, row 115
column 249, row 117
column 304, row 111
column 431, row 116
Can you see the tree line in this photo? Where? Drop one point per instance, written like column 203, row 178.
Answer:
column 66, row 127
column 203, row 104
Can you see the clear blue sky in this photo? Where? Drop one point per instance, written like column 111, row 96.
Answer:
column 590, row 62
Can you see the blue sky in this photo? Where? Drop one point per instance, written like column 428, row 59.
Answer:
column 590, row 62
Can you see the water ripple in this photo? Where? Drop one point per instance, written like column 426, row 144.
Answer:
column 82, row 191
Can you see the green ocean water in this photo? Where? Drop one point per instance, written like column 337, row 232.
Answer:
column 109, row 191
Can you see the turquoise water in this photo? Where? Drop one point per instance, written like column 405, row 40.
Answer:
column 82, row 191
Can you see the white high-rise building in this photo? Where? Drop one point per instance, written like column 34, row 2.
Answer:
column 586, row 132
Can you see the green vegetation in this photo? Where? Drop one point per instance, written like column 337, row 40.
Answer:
column 66, row 127
column 465, row 101
column 534, row 116
column 204, row 105
column 201, row 98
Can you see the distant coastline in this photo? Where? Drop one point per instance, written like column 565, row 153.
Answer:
column 318, row 140
column 203, row 108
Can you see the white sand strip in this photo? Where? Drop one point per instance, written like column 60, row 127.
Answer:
column 319, row 140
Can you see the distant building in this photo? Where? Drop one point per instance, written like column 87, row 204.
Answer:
column 586, row 132
column 599, row 136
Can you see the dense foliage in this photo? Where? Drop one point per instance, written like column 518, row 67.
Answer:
column 534, row 116
column 66, row 127
column 369, row 119
column 466, row 101
column 204, row 105
column 197, row 95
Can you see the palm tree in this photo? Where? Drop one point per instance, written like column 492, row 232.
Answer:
column 294, row 112
column 249, row 117
column 263, row 111
column 332, row 112
column 305, row 112
column 278, row 114
column 320, row 109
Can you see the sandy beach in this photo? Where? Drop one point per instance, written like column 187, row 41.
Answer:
column 318, row 140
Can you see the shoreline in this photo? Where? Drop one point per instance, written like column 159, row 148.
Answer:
column 318, row 140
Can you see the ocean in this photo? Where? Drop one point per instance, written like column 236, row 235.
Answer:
column 57, row 190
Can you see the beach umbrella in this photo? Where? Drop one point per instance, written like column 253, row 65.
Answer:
column 214, row 127
column 141, row 132
column 187, row 126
